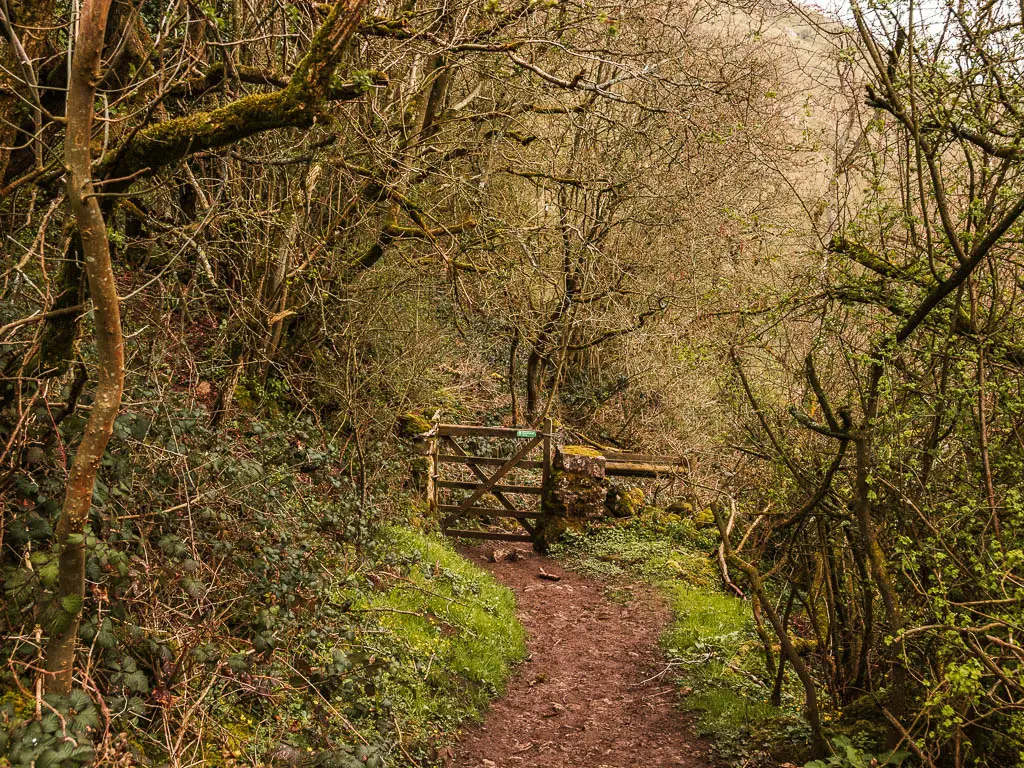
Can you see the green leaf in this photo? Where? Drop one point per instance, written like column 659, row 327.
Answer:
column 72, row 604
column 137, row 681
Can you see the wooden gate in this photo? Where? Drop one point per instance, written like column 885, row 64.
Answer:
column 525, row 473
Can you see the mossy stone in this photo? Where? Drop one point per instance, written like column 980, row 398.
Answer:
column 681, row 508
column 581, row 450
column 705, row 518
column 412, row 425
column 624, row 501
column 575, row 494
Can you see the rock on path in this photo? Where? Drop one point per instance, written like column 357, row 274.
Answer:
column 590, row 695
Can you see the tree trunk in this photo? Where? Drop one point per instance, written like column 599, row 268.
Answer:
column 85, row 72
column 276, row 294
column 432, row 98
column 512, row 368
column 876, row 559
column 819, row 747
column 297, row 105
column 534, row 376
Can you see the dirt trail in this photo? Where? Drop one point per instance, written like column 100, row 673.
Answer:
column 586, row 697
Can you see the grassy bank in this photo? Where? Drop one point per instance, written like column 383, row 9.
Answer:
column 451, row 632
column 399, row 653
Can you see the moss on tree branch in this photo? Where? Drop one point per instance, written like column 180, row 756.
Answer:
column 295, row 106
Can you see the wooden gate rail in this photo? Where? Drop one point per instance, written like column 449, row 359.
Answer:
column 484, row 483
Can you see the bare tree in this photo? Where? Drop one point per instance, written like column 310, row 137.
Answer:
column 82, row 196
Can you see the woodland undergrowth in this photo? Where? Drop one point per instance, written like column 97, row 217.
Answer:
column 246, row 605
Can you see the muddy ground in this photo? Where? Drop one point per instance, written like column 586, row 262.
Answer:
column 594, row 693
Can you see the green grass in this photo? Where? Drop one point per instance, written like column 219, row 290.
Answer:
column 406, row 647
column 638, row 548
column 457, row 630
column 710, row 643
column 711, row 636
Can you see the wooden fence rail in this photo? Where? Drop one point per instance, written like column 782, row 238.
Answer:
column 629, row 464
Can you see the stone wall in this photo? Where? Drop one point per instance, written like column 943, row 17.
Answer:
column 575, row 494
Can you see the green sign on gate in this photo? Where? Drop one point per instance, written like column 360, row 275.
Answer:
column 526, row 433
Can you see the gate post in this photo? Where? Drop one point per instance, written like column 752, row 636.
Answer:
column 546, row 471
column 433, row 471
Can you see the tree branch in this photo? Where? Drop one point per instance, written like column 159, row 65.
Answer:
column 297, row 105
